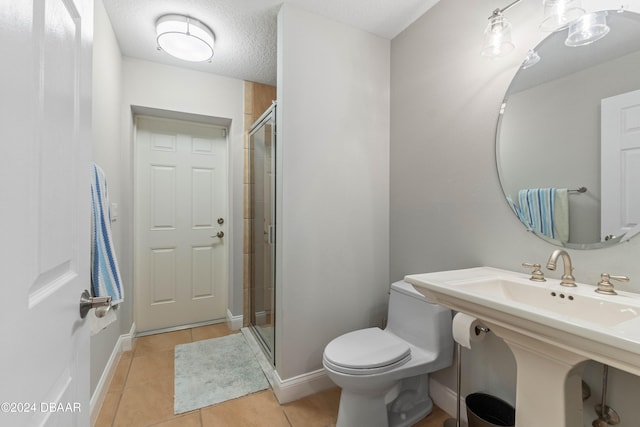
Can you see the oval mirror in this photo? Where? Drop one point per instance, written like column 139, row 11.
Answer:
column 568, row 138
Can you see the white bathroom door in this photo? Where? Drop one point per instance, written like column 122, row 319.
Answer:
column 620, row 164
column 45, row 139
column 181, row 223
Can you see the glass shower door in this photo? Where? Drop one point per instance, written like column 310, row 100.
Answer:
column 262, row 139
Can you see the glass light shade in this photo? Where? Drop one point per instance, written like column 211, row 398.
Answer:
column 531, row 59
column 184, row 38
column 588, row 29
column 497, row 37
column 559, row 14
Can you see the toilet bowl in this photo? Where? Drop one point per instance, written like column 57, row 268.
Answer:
column 384, row 373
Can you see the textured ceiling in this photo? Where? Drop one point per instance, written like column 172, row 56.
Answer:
column 245, row 30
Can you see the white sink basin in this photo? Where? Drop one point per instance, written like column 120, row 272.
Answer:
column 604, row 324
column 569, row 304
column 551, row 329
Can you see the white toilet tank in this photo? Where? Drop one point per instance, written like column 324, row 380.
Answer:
column 417, row 321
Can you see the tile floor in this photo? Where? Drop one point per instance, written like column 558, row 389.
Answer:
column 141, row 394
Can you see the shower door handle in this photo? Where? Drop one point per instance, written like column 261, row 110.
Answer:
column 271, row 235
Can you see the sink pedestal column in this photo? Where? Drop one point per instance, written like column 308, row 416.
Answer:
column 549, row 382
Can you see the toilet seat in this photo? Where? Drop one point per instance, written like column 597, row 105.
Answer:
column 366, row 351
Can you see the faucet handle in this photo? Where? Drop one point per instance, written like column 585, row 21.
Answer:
column 604, row 285
column 536, row 275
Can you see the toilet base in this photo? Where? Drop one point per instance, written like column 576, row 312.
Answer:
column 412, row 404
column 409, row 406
column 411, row 416
column 357, row 410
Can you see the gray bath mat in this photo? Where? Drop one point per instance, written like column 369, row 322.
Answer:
column 215, row 370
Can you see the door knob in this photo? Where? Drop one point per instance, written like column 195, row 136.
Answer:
column 219, row 234
column 87, row 302
column 220, row 221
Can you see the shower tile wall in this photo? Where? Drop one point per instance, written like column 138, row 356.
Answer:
column 257, row 98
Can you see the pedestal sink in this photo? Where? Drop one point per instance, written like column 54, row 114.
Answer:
column 551, row 329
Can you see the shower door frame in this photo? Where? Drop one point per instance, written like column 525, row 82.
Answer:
column 268, row 346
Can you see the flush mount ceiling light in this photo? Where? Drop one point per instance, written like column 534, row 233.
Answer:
column 184, row 38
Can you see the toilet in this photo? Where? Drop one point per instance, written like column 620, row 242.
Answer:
column 384, row 373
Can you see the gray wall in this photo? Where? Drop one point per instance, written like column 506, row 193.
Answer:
column 106, row 153
column 447, row 207
column 333, row 137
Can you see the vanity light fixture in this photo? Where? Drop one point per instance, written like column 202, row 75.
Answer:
column 558, row 15
column 588, row 29
column 185, row 38
column 497, row 35
column 531, row 59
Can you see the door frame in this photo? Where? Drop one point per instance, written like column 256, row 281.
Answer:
column 269, row 348
column 197, row 119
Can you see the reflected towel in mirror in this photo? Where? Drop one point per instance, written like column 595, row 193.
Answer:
column 545, row 211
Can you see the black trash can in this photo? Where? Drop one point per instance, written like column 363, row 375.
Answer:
column 484, row 410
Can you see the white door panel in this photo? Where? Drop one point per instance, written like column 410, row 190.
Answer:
column 620, row 170
column 181, row 186
column 45, row 81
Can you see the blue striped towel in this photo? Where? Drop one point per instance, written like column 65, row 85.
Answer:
column 545, row 211
column 105, row 275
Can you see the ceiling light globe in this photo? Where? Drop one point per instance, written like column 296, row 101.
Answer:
column 185, row 38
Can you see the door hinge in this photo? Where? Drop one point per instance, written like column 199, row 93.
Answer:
column 224, row 133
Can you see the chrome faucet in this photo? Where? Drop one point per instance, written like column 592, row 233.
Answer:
column 567, row 278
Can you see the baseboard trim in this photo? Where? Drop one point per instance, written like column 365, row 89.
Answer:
column 292, row 388
column 124, row 343
column 235, row 323
column 127, row 339
column 300, row 386
column 445, row 399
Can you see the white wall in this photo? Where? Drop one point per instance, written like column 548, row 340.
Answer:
column 447, row 207
column 195, row 96
column 107, row 153
column 333, row 133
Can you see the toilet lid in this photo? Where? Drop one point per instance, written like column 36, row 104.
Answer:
column 367, row 351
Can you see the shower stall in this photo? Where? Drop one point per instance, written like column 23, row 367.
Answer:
column 262, row 206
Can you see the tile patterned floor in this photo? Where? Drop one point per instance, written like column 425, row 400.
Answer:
column 141, row 394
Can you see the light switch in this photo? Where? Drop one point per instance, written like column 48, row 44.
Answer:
column 114, row 212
